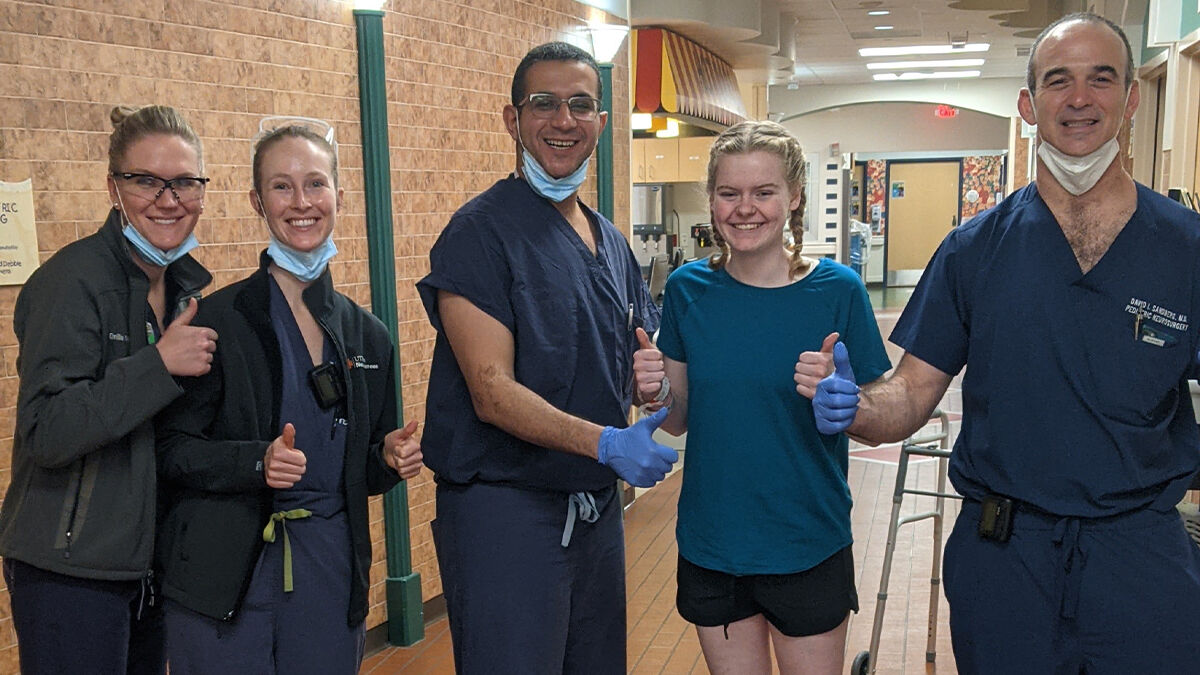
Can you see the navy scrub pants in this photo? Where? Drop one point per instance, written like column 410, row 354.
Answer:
column 520, row 602
column 66, row 624
column 1109, row 596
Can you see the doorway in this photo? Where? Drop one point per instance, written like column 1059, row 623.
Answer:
column 922, row 206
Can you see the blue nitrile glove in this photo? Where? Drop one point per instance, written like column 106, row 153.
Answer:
column 836, row 400
column 636, row 457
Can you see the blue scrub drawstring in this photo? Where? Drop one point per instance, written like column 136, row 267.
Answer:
column 581, row 505
column 1066, row 537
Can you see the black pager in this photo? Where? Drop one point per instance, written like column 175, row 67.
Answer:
column 995, row 523
column 327, row 386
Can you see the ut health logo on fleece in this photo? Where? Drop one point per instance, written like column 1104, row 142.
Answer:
column 359, row 361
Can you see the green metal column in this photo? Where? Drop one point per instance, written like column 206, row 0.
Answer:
column 604, row 149
column 406, row 621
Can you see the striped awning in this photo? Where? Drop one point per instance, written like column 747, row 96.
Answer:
column 672, row 74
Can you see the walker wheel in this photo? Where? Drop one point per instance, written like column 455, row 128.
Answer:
column 860, row 664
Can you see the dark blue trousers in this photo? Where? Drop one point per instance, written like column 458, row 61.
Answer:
column 68, row 624
column 1109, row 596
column 520, row 602
column 302, row 632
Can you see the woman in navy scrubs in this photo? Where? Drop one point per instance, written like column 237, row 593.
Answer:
column 265, row 548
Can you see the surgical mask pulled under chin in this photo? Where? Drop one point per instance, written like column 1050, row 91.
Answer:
column 304, row 265
column 151, row 253
column 554, row 189
column 1077, row 175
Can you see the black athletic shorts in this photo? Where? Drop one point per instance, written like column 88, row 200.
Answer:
column 811, row 602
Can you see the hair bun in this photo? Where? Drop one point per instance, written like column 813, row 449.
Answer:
column 119, row 113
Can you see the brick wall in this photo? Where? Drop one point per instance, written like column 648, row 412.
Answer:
column 65, row 63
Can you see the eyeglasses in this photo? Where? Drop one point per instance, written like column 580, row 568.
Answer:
column 544, row 106
column 321, row 128
column 150, row 187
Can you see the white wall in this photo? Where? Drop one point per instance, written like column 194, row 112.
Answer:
column 898, row 127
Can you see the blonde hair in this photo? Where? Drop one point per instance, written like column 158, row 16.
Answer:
column 132, row 124
column 772, row 137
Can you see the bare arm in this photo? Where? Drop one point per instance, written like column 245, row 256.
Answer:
column 485, row 352
column 894, row 408
column 676, row 422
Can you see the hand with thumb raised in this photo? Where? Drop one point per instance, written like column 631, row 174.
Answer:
column 836, row 401
column 634, row 455
column 187, row 350
column 812, row 367
column 284, row 465
column 648, row 371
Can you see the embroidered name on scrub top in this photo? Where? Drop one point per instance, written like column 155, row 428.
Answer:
column 1154, row 324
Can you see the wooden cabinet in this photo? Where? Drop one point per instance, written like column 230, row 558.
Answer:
column 693, row 158
column 671, row 160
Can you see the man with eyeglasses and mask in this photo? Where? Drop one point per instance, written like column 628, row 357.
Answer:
column 537, row 300
column 1070, row 304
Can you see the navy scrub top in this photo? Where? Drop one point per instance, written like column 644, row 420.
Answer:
column 1074, row 397
column 572, row 316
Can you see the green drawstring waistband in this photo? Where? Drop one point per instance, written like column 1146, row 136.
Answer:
column 269, row 537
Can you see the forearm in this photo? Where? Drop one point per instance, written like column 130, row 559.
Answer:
column 891, row 410
column 513, row 407
column 86, row 415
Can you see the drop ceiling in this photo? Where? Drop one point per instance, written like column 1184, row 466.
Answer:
column 816, row 42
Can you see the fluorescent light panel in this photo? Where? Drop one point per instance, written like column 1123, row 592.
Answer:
column 884, row 27
column 878, row 12
column 909, row 65
column 936, row 75
column 923, row 49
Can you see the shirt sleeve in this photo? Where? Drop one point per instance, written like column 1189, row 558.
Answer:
column 468, row 260
column 868, row 356
column 934, row 324
column 670, row 341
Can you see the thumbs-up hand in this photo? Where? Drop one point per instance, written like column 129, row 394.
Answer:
column 187, row 350
column 283, row 465
column 648, row 371
column 402, row 452
column 634, row 455
column 812, row 367
column 836, row 401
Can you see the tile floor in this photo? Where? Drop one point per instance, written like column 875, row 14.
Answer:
column 661, row 642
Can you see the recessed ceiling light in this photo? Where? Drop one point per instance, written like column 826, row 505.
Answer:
column 909, row 65
column 884, row 27
column 878, row 12
column 923, row 49
column 937, row 75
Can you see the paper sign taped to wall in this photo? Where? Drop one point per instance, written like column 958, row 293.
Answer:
column 18, row 234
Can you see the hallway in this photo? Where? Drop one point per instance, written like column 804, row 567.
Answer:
column 662, row 642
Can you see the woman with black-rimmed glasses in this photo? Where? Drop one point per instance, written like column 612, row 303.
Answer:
column 104, row 330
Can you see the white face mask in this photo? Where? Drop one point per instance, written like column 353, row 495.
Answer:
column 1077, row 175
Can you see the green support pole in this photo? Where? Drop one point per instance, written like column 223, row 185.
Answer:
column 406, row 621
column 604, row 149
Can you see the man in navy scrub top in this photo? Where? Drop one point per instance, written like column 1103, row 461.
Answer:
column 1071, row 305
column 536, row 299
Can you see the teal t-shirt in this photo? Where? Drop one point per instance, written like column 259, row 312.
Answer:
column 763, row 491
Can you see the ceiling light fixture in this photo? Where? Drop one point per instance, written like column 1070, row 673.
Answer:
column 936, row 75
column 909, row 65
column 923, row 49
column 884, row 27
column 878, row 12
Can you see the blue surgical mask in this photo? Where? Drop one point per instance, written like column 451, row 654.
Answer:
column 304, row 265
column 554, row 189
column 151, row 253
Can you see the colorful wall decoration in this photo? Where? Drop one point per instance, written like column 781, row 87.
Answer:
column 982, row 184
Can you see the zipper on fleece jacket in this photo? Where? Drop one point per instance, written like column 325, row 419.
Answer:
column 74, row 507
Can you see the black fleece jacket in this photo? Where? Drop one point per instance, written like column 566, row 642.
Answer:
column 212, row 443
column 82, row 498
